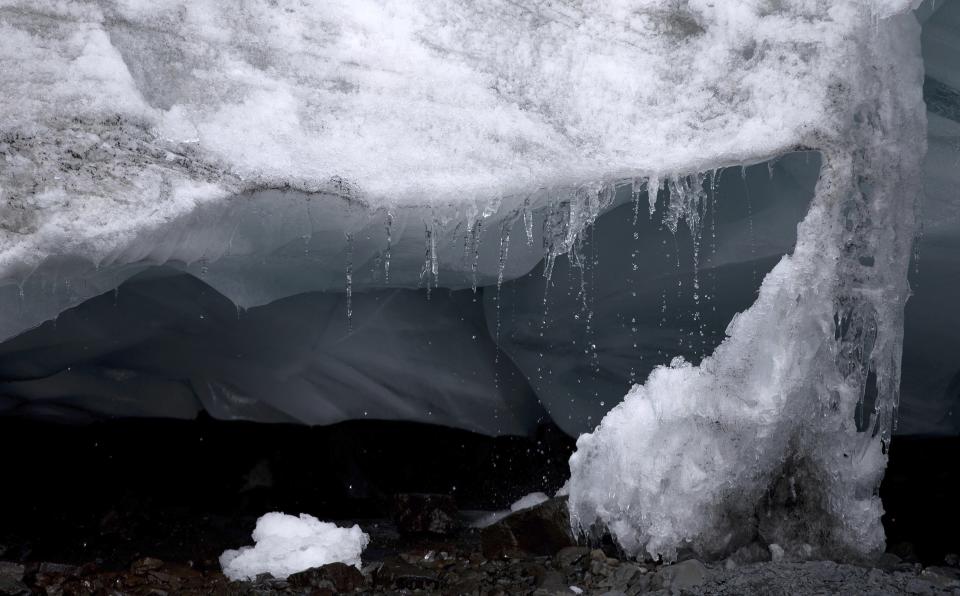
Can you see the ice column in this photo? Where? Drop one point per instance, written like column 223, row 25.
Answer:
column 780, row 435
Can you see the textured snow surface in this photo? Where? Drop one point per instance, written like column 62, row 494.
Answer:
column 286, row 544
column 137, row 122
column 760, row 440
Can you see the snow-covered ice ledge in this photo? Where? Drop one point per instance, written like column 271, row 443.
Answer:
column 127, row 122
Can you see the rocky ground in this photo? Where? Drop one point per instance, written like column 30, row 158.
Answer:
column 429, row 548
column 146, row 508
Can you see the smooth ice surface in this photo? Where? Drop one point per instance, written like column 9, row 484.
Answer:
column 931, row 355
column 528, row 501
column 285, row 544
column 166, row 344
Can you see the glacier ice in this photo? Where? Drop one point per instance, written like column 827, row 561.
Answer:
column 760, row 439
column 603, row 322
column 285, row 544
column 287, row 147
column 166, row 344
column 142, row 129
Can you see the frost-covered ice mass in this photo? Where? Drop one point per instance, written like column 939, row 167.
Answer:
column 301, row 212
column 286, row 544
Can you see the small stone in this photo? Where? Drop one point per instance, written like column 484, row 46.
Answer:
column 888, row 561
column 776, row 553
column 747, row 555
column 570, row 556
column 943, row 577
column 338, row 576
column 622, row 576
column 141, row 566
column 399, row 573
column 552, row 580
column 918, row 586
column 419, row 513
column 684, row 575
column 11, row 579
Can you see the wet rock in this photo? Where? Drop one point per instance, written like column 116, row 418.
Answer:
column 396, row 572
column 339, row 577
column 11, row 579
column 142, row 566
column 540, row 530
column 943, row 577
column 952, row 560
column 918, row 586
column 419, row 513
column 622, row 577
column 747, row 555
column 681, row 576
column 888, row 562
column 552, row 582
column 571, row 555
column 49, row 578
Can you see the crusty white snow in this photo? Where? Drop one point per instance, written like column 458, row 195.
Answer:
column 286, row 544
column 140, row 125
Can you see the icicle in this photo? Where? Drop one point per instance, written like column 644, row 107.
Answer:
column 653, row 189
column 386, row 252
column 528, row 221
column 429, row 258
column 753, row 238
column 434, row 262
column 504, row 250
column 477, row 229
column 349, row 283
column 635, row 186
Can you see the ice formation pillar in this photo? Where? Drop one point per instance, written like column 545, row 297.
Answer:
column 780, row 435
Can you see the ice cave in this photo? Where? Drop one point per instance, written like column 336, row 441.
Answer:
column 496, row 297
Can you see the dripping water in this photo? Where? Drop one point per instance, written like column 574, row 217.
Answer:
column 477, row 229
column 753, row 238
column 386, row 252
column 502, row 260
column 349, row 271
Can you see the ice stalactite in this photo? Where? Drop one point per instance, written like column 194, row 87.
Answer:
column 761, row 441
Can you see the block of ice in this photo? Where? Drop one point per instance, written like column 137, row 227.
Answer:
column 528, row 501
column 285, row 544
